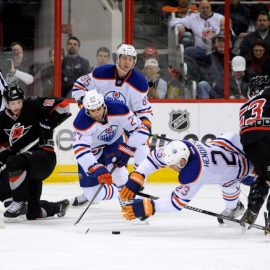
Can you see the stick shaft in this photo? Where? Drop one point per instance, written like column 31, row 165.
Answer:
column 202, row 211
column 94, row 197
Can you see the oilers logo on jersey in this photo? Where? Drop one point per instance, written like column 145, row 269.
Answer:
column 16, row 132
column 115, row 95
column 108, row 134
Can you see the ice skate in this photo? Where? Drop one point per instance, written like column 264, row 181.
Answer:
column 16, row 210
column 248, row 218
column 232, row 213
column 63, row 207
column 79, row 200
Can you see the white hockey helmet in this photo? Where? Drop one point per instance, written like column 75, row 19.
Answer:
column 93, row 100
column 174, row 151
column 126, row 49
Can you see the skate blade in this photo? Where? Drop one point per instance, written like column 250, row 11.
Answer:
column 15, row 220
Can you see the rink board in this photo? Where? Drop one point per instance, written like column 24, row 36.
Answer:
column 189, row 121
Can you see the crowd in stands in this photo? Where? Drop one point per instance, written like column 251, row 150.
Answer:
column 200, row 29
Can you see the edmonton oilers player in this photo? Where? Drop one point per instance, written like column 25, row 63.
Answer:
column 98, row 140
column 221, row 161
column 122, row 83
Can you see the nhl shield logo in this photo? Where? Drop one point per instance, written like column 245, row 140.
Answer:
column 179, row 120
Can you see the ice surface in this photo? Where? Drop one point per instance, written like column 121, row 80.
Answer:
column 186, row 240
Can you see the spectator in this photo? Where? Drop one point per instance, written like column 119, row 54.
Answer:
column 103, row 57
column 212, row 74
column 238, row 82
column 262, row 32
column 152, row 52
column 18, row 72
column 176, row 84
column 204, row 26
column 47, row 74
column 239, row 14
column 157, row 86
column 258, row 63
column 3, row 89
column 73, row 66
column 181, row 8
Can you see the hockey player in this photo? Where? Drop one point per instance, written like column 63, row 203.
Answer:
column 27, row 153
column 220, row 161
column 255, row 138
column 98, row 140
column 122, row 83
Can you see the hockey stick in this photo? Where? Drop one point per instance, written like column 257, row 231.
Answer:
column 195, row 209
column 155, row 136
column 94, row 197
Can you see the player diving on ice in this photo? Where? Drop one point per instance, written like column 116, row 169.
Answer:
column 98, row 142
column 122, row 83
column 221, row 161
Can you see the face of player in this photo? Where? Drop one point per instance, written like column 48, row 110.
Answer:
column 15, row 106
column 182, row 163
column 97, row 114
column 125, row 63
column 102, row 58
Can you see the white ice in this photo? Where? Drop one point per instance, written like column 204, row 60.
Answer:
column 186, row 240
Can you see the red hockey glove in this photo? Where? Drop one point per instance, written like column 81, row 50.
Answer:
column 101, row 173
column 132, row 187
column 138, row 209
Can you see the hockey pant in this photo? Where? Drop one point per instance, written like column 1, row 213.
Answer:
column 26, row 173
column 231, row 195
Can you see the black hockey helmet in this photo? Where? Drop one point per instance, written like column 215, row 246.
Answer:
column 257, row 84
column 14, row 92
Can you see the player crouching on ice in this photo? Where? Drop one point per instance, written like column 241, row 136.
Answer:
column 27, row 152
column 220, row 161
column 98, row 141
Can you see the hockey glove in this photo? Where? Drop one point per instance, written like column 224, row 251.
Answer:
column 138, row 208
column 132, row 187
column 101, row 173
column 124, row 154
column 46, row 128
column 147, row 123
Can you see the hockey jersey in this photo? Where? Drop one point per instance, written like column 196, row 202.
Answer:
column 255, row 118
column 221, row 161
column 90, row 136
column 131, row 90
column 18, row 133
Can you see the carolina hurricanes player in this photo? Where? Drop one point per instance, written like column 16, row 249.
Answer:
column 98, row 140
column 122, row 83
column 221, row 161
column 27, row 154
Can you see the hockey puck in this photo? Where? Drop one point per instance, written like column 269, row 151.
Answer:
column 115, row 232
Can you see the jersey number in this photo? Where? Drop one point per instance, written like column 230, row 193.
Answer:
column 230, row 161
column 256, row 108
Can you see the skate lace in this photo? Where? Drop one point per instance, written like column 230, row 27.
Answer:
column 15, row 206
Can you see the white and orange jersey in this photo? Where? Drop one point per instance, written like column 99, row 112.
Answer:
column 91, row 137
column 131, row 90
column 221, row 161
